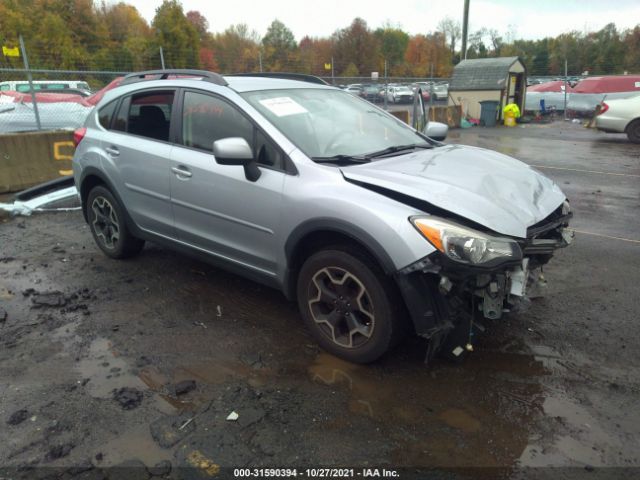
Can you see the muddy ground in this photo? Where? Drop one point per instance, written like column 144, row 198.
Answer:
column 138, row 363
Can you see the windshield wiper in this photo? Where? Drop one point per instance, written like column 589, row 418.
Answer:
column 396, row 149
column 341, row 158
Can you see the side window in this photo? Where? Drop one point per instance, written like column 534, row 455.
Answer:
column 206, row 119
column 4, row 87
column 106, row 113
column 150, row 114
column 266, row 153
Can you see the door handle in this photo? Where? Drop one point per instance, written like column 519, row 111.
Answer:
column 181, row 172
column 113, row 151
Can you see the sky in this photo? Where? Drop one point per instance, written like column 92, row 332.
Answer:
column 527, row 19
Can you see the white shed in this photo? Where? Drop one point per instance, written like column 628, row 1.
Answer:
column 503, row 79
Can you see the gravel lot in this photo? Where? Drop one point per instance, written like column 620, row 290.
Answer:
column 138, row 363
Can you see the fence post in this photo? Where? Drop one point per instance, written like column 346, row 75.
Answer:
column 565, row 89
column 333, row 77
column 386, row 87
column 30, row 79
column 161, row 58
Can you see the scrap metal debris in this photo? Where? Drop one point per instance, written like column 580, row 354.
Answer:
column 58, row 195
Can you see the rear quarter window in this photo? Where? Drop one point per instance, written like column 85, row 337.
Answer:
column 105, row 114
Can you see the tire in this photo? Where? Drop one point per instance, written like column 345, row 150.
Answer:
column 108, row 226
column 357, row 315
column 633, row 131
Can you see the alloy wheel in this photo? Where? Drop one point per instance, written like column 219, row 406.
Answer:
column 105, row 222
column 341, row 307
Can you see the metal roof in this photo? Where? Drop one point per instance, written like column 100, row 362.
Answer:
column 482, row 73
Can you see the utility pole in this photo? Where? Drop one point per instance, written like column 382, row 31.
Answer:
column 465, row 30
column 260, row 60
column 386, row 87
column 30, row 79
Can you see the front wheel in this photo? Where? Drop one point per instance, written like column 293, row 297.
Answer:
column 633, row 131
column 108, row 225
column 351, row 307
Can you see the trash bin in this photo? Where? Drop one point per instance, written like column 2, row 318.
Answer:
column 488, row 112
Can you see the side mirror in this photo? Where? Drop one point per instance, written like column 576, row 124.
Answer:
column 236, row 151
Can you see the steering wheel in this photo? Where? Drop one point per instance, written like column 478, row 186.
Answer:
column 337, row 139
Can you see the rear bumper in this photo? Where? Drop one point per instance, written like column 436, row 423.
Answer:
column 611, row 125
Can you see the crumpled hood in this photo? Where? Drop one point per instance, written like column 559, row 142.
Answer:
column 486, row 187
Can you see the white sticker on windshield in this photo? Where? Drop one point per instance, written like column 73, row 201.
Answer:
column 283, row 106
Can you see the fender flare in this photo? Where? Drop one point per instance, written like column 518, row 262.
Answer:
column 95, row 172
column 337, row 226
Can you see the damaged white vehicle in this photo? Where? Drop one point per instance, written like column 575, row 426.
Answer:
column 372, row 227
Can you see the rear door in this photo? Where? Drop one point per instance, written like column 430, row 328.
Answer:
column 139, row 148
column 216, row 208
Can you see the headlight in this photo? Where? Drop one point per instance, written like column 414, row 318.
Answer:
column 466, row 245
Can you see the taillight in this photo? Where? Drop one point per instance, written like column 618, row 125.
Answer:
column 78, row 135
column 603, row 108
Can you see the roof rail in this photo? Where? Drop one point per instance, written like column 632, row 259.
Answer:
column 164, row 74
column 287, row 76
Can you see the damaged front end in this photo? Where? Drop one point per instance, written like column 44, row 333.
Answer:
column 475, row 275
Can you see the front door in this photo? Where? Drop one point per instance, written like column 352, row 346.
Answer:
column 216, row 208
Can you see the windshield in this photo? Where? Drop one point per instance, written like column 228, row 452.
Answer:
column 326, row 123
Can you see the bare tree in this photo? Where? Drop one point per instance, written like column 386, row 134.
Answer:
column 452, row 32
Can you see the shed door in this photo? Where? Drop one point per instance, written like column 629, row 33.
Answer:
column 516, row 89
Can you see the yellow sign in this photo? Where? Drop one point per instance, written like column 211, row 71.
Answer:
column 327, row 66
column 10, row 52
column 58, row 155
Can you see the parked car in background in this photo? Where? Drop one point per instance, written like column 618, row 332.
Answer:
column 399, row 94
column 20, row 117
column 371, row 92
column 441, row 91
column 588, row 93
column 355, row 89
column 620, row 116
column 371, row 226
column 425, row 87
column 42, row 85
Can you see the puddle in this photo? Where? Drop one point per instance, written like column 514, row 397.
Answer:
column 474, row 415
column 106, row 371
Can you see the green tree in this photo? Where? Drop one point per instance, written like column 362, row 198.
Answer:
column 393, row 46
column 279, row 46
column 176, row 35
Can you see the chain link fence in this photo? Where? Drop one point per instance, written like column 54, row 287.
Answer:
column 62, row 99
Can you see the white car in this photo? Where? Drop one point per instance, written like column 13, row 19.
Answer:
column 620, row 116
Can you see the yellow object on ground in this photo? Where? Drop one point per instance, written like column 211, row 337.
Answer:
column 511, row 112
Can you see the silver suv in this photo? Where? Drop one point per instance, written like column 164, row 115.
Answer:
column 373, row 228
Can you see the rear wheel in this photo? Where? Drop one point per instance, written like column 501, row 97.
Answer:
column 633, row 131
column 349, row 304
column 108, row 226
